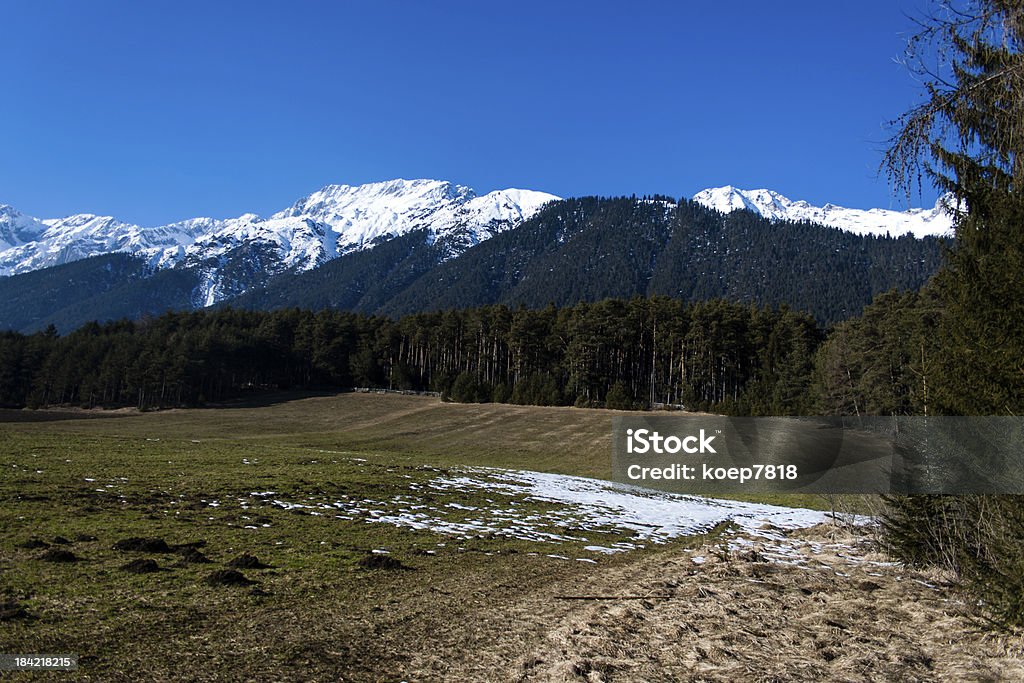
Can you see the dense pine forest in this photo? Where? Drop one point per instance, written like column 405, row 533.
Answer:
column 714, row 355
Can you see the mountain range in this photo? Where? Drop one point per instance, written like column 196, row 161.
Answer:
column 331, row 222
column 937, row 221
column 407, row 245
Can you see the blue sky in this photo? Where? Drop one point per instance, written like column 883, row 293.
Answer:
column 157, row 111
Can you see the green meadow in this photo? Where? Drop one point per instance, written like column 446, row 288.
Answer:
column 341, row 596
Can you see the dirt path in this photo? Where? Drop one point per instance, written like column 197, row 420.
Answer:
column 810, row 606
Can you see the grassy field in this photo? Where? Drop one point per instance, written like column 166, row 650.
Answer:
column 120, row 531
column 322, row 609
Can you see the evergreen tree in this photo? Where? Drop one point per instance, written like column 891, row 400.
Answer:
column 967, row 136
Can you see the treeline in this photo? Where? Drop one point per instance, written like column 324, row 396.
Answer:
column 714, row 355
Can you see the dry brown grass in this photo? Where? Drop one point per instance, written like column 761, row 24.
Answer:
column 843, row 616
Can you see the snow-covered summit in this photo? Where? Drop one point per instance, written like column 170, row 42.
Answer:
column 17, row 229
column 34, row 244
column 363, row 215
column 335, row 220
column 774, row 206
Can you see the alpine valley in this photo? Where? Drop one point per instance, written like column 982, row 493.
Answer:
column 406, row 246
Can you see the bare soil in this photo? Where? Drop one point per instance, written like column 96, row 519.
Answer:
column 836, row 611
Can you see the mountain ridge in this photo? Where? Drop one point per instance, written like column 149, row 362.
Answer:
column 327, row 223
column 570, row 251
column 934, row 222
column 339, row 219
column 402, row 246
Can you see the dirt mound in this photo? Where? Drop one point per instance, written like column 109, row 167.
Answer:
column 11, row 610
column 57, row 555
column 85, row 538
column 378, row 561
column 228, row 577
column 193, row 556
column 60, row 540
column 138, row 544
column 34, row 544
column 141, row 567
column 247, row 561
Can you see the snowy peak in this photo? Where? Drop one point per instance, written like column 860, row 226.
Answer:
column 17, row 229
column 364, row 215
column 399, row 195
column 54, row 241
column 774, row 206
column 727, row 199
column 335, row 220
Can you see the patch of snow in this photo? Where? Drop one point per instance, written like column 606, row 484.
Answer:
column 573, row 509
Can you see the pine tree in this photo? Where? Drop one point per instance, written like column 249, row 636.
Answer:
column 967, row 136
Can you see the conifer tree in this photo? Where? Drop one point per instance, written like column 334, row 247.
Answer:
column 968, row 136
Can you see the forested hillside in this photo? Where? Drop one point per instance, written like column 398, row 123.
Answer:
column 107, row 287
column 589, row 249
column 571, row 251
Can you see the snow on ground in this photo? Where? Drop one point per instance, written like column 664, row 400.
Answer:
column 555, row 508
column 651, row 515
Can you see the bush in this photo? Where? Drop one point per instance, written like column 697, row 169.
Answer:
column 979, row 538
column 502, row 393
column 466, row 389
column 618, row 398
column 539, row 389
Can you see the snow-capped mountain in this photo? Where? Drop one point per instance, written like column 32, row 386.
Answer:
column 230, row 256
column 335, row 220
column 83, row 235
column 17, row 229
column 773, row 206
column 364, row 215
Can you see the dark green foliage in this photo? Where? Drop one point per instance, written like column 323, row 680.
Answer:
column 743, row 257
column 618, row 398
column 709, row 356
column 982, row 292
column 101, row 288
column 967, row 135
column 919, row 529
column 467, row 389
column 588, row 249
column 21, row 358
column 884, row 362
column 28, row 298
column 363, row 281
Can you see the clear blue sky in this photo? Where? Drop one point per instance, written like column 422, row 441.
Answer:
column 157, row 111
